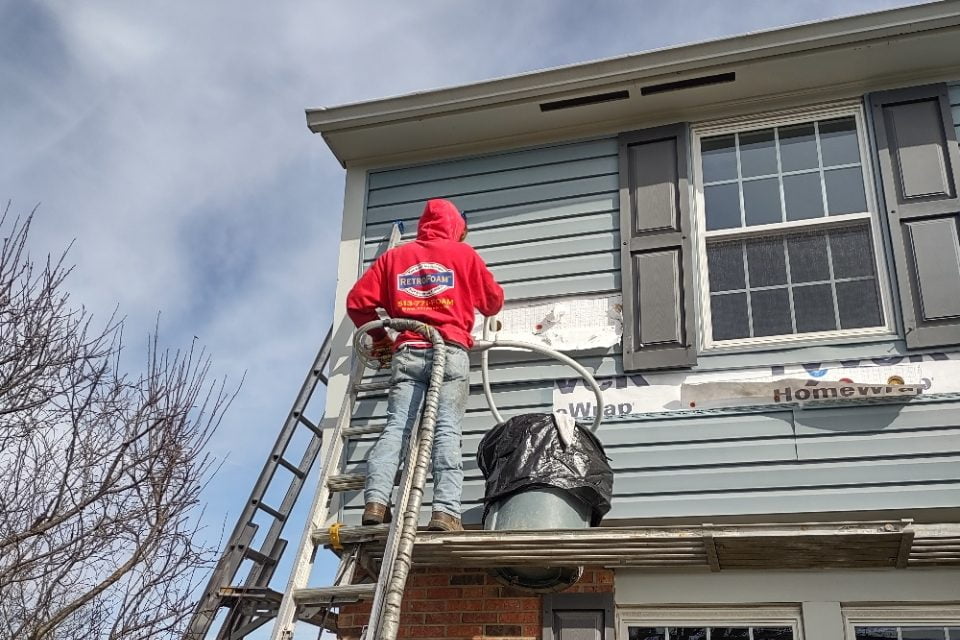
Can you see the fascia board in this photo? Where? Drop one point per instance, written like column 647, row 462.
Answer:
column 779, row 42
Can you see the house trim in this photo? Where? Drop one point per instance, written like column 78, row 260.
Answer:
column 505, row 113
column 672, row 61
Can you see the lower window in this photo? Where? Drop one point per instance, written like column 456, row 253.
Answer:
column 711, row 633
column 908, row 632
column 758, row 623
column 919, row 622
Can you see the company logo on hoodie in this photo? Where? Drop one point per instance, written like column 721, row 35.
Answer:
column 425, row 280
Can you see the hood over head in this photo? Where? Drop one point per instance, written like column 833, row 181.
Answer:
column 441, row 220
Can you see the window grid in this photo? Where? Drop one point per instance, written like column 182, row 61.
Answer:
column 789, row 285
column 799, row 284
column 820, row 170
column 793, row 172
column 716, row 632
column 783, row 217
column 833, row 283
column 845, row 217
column 884, row 631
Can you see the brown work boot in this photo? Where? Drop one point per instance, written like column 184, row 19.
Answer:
column 375, row 513
column 440, row 521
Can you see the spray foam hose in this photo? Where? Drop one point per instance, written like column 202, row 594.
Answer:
column 486, row 345
column 390, row 619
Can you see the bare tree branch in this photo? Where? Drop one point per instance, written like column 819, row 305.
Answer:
column 100, row 471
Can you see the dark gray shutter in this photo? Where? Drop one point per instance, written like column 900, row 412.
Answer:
column 659, row 327
column 578, row 616
column 920, row 168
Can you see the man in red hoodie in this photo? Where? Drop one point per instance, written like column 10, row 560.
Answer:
column 439, row 280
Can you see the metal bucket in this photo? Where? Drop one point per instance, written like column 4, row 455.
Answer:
column 538, row 509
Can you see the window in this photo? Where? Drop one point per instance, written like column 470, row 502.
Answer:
column 911, row 632
column 711, row 633
column 765, row 231
column 787, row 237
column 906, row 623
column 711, row 624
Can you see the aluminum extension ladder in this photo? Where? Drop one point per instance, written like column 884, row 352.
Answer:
column 314, row 604
column 252, row 603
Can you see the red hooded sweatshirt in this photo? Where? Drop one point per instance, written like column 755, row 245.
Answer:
column 435, row 279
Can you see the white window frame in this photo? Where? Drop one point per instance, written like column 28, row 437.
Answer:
column 701, row 235
column 904, row 616
column 709, row 617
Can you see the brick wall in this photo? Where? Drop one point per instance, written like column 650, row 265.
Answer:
column 467, row 604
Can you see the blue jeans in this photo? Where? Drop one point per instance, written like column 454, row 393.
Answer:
column 410, row 376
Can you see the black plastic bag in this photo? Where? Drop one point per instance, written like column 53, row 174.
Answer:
column 526, row 452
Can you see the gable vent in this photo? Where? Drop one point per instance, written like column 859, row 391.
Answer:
column 582, row 101
column 690, row 83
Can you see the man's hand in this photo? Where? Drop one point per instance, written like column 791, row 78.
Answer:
column 382, row 350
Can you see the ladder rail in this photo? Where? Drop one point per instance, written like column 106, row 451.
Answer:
column 318, row 514
column 320, row 509
column 384, row 622
column 244, row 530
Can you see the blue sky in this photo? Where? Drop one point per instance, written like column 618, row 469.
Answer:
column 169, row 141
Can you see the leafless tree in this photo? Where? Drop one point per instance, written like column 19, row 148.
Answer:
column 100, row 471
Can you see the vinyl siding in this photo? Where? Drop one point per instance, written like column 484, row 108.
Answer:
column 546, row 221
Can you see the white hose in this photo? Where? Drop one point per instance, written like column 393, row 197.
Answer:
column 486, row 345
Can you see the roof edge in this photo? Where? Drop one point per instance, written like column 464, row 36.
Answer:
column 780, row 41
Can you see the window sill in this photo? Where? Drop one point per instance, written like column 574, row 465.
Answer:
column 886, row 345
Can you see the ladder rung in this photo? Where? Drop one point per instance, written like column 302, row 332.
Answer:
column 334, row 595
column 346, row 482
column 349, row 432
column 259, row 558
column 261, row 594
column 309, row 425
column 267, row 508
column 292, row 468
column 372, row 386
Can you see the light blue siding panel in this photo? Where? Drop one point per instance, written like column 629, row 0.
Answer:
column 594, row 243
column 599, row 284
column 782, row 476
column 465, row 185
column 617, row 433
column 876, row 418
column 508, row 396
column 502, row 198
column 522, row 214
column 548, row 371
column 494, row 163
column 738, row 494
column 874, row 445
column 563, row 266
column 706, row 506
column 649, row 457
column 956, row 114
column 620, row 433
column 522, row 236
column 473, row 423
column 526, row 371
column 761, row 503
